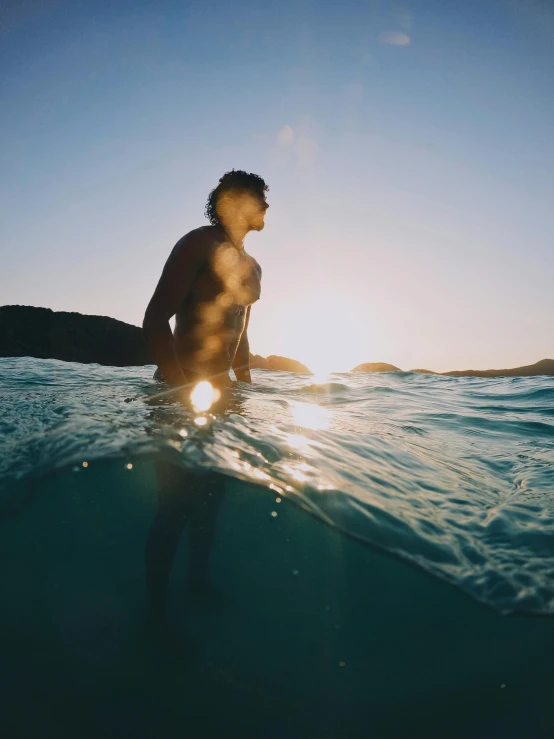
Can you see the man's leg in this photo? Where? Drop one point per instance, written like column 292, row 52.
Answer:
column 164, row 536
column 208, row 496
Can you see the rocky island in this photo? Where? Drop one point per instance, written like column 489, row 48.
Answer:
column 375, row 367
column 26, row 331
column 544, row 367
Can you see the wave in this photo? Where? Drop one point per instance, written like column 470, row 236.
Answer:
column 395, row 461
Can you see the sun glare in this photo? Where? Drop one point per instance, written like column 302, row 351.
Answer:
column 310, row 415
column 327, row 335
column 203, row 396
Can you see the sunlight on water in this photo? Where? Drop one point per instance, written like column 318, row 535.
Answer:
column 204, row 396
column 321, row 373
column 310, row 415
column 297, row 441
column 453, row 474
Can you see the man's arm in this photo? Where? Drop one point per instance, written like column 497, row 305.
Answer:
column 177, row 278
column 241, row 362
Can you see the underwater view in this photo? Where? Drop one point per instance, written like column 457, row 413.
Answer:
column 372, row 555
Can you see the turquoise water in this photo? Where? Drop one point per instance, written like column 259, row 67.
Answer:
column 382, row 542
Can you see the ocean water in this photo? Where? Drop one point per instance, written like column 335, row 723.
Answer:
column 383, row 561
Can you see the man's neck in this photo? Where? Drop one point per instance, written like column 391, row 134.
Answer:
column 235, row 233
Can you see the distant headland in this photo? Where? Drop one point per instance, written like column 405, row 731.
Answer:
column 26, row 331
column 544, row 367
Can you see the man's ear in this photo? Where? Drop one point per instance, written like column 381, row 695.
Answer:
column 225, row 204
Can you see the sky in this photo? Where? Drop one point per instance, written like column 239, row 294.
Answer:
column 408, row 147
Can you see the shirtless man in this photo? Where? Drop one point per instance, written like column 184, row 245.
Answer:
column 209, row 283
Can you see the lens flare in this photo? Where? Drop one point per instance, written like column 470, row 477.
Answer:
column 204, row 396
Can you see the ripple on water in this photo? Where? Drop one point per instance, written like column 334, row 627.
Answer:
column 454, row 474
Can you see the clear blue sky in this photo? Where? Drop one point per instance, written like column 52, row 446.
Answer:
column 409, row 150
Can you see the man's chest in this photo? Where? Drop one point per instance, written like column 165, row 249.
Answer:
column 231, row 278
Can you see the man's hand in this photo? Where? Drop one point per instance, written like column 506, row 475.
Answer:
column 176, row 281
column 243, row 375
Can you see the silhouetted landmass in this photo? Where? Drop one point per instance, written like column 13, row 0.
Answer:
column 72, row 337
column 274, row 362
column 26, row 331
column 376, row 367
column 544, row 367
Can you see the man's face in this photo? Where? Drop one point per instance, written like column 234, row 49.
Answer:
column 252, row 208
column 245, row 207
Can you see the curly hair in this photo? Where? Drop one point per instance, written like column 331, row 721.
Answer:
column 236, row 179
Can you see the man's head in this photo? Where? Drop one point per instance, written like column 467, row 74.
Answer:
column 238, row 198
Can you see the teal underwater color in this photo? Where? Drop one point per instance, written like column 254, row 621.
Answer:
column 383, row 564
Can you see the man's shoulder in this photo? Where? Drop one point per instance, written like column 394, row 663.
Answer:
column 197, row 242
column 200, row 235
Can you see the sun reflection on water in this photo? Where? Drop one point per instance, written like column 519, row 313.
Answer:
column 310, row 415
column 204, row 396
column 297, row 441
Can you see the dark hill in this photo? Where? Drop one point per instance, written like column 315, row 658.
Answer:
column 544, row 367
column 275, row 362
column 376, row 367
column 72, row 337
column 26, row 331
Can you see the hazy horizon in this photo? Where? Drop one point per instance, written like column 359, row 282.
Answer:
column 408, row 149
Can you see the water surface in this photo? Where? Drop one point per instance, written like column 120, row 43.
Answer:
column 454, row 475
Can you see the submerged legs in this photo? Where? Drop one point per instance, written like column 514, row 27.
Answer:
column 182, row 497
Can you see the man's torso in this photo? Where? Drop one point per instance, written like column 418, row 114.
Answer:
column 210, row 321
